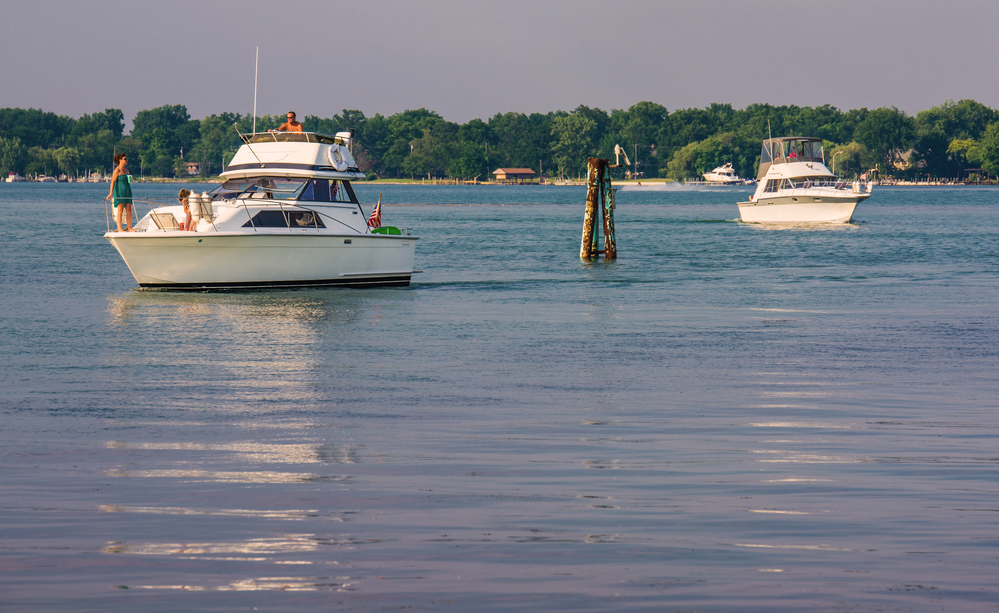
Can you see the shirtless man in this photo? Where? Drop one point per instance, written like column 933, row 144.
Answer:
column 291, row 125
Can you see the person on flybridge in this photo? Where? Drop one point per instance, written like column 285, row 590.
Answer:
column 289, row 126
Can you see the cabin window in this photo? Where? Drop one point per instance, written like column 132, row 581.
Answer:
column 316, row 190
column 341, row 191
column 267, row 188
column 231, row 188
column 770, row 187
column 275, row 189
column 285, row 219
column 328, row 190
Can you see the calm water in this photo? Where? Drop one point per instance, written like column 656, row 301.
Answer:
column 728, row 418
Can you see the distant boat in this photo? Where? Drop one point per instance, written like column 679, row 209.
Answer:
column 14, row 178
column 45, row 179
column 723, row 175
column 796, row 187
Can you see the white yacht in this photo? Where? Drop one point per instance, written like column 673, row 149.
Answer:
column 796, row 187
column 285, row 216
column 723, row 175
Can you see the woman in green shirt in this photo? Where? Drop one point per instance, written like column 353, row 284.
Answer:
column 121, row 189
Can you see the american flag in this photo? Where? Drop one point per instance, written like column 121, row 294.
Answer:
column 375, row 219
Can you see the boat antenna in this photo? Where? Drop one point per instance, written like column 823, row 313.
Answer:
column 256, row 66
column 246, row 141
column 770, row 137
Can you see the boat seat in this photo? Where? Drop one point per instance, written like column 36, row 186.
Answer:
column 165, row 221
column 841, row 185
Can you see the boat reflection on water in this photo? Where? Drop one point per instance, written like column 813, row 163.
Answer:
column 249, row 451
column 260, row 309
column 286, row 549
column 267, row 350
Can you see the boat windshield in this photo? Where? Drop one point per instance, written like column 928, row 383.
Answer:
column 271, row 188
column 787, row 150
column 289, row 137
column 779, row 151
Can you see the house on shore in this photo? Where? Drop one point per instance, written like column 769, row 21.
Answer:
column 514, row 175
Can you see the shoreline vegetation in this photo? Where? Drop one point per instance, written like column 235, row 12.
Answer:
column 952, row 143
column 578, row 182
column 556, row 183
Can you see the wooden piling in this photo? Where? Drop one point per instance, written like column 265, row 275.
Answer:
column 599, row 195
column 610, row 241
column 587, row 248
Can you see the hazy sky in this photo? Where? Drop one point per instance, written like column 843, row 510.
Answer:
column 475, row 59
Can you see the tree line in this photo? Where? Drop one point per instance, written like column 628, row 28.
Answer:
column 951, row 140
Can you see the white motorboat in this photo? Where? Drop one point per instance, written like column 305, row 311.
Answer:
column 14, row 178
column 723, row 175
column 796, row 187
column 285, row 216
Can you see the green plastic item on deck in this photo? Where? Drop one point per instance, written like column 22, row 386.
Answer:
column 386, row 230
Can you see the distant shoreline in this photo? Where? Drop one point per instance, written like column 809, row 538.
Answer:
column 567, row 183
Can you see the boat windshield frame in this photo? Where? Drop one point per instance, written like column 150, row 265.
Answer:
column 271, row 188
column 291, row 137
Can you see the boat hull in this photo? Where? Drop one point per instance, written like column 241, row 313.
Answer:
column 800, row 209
column 185, row 260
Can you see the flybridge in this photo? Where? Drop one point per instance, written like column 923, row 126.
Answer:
column 789, row 149
column 302, row 154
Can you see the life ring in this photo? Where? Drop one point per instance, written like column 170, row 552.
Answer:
column 337, row 158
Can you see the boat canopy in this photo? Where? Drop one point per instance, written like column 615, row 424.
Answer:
column 789, row 149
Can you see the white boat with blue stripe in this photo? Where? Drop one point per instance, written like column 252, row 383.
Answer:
column 285, row 216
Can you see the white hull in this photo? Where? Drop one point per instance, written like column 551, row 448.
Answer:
column 186, row 260
column 800, row 210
